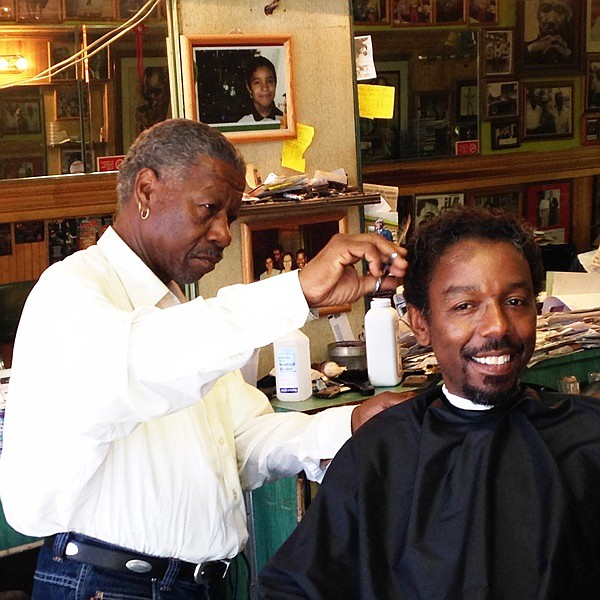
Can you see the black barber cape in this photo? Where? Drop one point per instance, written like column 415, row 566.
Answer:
column 427, row 502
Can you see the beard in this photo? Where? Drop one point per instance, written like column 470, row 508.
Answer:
column 496, row 396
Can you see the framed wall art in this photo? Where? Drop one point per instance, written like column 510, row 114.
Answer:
column 467, row 100
column 482, row 12
column 449, row 11
column 71, row 102
column 20, row 113
column 505, row 133
column 510, row 201
column 592, row 82
column 89, row 9
column 592, row 26
column 590, row 129
column 428, row 206
column 49, row 11
column 549, row 39
column 548, row 110
column 549, row 208
column 501, row 99
column 409, row 12
column 60, row 52
column 498, row 52
column 370, row 12
column 241, row 85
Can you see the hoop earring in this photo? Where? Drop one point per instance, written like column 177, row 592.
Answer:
column 144, row 213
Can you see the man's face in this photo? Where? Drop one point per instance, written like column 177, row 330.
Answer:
column 188, row 228
column 301, row 260
column 553, row 16
column 277, row 254
column 482, row 319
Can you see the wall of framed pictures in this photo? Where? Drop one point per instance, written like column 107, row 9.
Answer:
column 539, row 95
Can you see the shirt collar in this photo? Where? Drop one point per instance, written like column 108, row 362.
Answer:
column 275, row 112
column 463, row 403
column 143, row 286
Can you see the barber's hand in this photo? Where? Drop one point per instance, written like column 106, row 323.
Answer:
column 330, row 278
column 369, row 408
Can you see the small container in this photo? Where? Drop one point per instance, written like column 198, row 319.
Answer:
column 568, row 385
column 351, row 354
column 384, row 361
column 292, row 367
column 593, row 386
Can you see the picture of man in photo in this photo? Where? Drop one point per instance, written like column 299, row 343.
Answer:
column 549, row 27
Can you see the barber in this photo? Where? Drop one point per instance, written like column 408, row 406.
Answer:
column 130, row 433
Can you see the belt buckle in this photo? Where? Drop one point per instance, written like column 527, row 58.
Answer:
column 211, row 570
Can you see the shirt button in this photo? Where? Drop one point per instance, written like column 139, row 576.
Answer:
column 222, row 441
column 235, row 495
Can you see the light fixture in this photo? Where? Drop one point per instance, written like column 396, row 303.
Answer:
column 12, row 63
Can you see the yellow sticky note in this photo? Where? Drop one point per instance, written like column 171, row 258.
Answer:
column 376, row 101
column 292, row 151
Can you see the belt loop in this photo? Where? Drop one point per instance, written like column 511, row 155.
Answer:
column 59, row 546
column 171, row 574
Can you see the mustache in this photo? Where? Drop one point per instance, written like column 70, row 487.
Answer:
column 216, row 253
column 501, row 345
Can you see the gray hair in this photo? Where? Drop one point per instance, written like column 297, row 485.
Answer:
column 170, row 148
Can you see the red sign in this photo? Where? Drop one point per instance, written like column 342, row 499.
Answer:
column 467, row 147
column 109, row 163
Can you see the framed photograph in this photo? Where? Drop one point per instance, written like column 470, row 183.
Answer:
column 370, row 12
column 510, row 201
column 128, row 8
column 428, row 206
column 98, row 64
column 28, row 232
column 411, row 12
column 20, row 113
column 8, row 12
column 592, row 26
column 60, row 52
column 467, row 100
column 19, row 168
column 449, row 11
column 548, row 110
column 39, row 12
column 501, row 99
column 241, row 85
column 549, row 39
column 498, row 52
column 549, row 206
column 142, row 103
column 71, row 161
column 505, row 133
column 97, row 10
column 482, row 12
column 592, row 82
column 590, row 129
column 70, row 101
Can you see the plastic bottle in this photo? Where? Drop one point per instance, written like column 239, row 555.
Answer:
column 292, row 367
column 384, row 362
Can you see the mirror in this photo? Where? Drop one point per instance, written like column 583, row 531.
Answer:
column 436, row 113
column 308, row 233
column 65, row 121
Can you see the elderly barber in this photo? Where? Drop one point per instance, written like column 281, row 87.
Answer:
column 130, row 434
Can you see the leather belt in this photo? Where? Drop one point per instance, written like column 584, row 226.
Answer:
column 88, row 550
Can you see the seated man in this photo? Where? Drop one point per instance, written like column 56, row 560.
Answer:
column 483, row 488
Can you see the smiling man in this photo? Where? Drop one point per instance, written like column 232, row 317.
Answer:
column 130, row 434
column 480, row 489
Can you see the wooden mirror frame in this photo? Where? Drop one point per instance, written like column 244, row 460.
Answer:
column 250, row 225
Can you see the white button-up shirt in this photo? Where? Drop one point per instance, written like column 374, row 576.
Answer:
column 126, row 420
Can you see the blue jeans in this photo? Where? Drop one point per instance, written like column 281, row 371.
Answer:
column 68, row 579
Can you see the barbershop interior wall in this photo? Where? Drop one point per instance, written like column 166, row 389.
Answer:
column 324, row 100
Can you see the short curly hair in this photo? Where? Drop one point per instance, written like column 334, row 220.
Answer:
column 433, row 238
